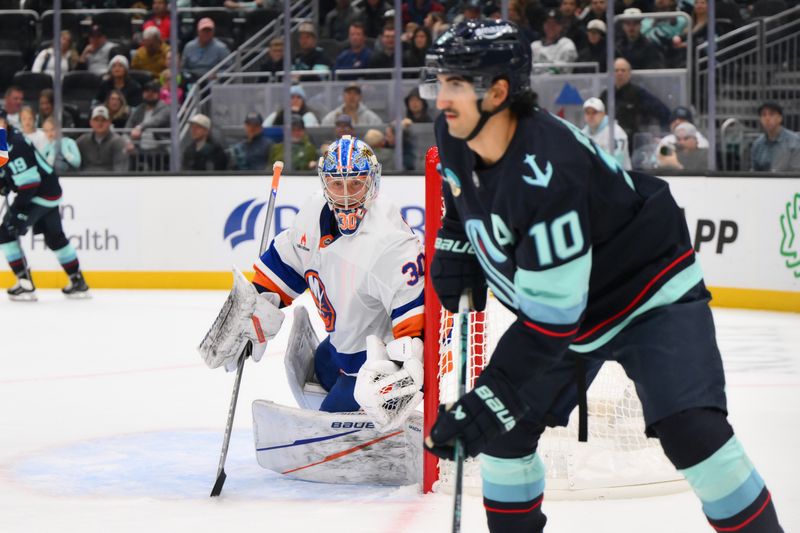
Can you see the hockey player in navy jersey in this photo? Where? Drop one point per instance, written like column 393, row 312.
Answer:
column 597, row 264
column 35, row 206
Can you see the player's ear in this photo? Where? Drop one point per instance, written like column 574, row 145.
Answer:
column 498, row 92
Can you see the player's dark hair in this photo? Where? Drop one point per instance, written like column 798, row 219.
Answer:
column 524, row 104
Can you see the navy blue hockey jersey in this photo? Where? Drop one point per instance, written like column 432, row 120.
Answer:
column 27, row 173
column 572, row 243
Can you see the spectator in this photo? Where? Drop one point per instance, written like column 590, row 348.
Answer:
column 699, row 29
column 298, row 106
column 102, row 150
column 70, row 157
column 597, row 11
column 46, row 108
column 777, row 149
column 343, row 126
column 118, row 109
column 436, row 25
column 97, row 53
column 339, row 19
column 358, row 54
column 681, row 115
column 45, row 62
column 637, row 109
column 409, row 150
column 203, row 153
column 594, row 113
column 377, row 141
column 553, row 48
column 417, row 10
column 304, row 154
column 384, row 58
column 517, row 14
column 573, row 29
column 661, row 32
column 373, row 17
column 151, row 114
column 27, row 121
column 492, row 12
column 12, row 103
column 352, row 106
column 310, row 56
column 165, row 94
column 420, row 42
column 152, row 54
column 159, row 18
column 119, row 79
column 253, row 152
column 685, row 154
column 249, row 5
column 405, row 38
column 273, row 61
column 595, row 49
column 416, row 108
column 203, row 52
column 633, row 46
column 470, row 10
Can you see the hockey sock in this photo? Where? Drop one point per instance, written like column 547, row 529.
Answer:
column 68, row 258
column 702, row 446
column 14, row 256
column 512, row 493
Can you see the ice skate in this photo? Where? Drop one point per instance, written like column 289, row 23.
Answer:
column 23, row 290
column 77, row 288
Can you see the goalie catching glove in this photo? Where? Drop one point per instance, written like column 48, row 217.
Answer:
column 490, row 409
column 246, row 316
column 387, row 391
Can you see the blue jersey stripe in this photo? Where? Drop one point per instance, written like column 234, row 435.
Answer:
column 403, row 309
column 292, row 279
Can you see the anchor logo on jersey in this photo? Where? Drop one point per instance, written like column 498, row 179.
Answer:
column 451, row 179
column 324, row 307
column 542, row 179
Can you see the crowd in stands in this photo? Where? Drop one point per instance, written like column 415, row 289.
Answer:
column 123, row 81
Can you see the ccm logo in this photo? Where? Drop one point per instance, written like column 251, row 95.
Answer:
column 494, row 403
column 352, row 425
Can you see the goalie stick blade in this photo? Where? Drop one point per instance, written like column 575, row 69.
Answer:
column 218, row 484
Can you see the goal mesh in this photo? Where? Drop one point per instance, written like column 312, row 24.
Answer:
column 617, row 461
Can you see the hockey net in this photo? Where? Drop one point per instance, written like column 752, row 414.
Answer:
column 618, row 460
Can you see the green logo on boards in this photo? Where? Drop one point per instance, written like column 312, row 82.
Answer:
column 790, row 239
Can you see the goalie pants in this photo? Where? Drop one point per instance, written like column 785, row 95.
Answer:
column 46, row 221
column 336, row 373
column 671, row 355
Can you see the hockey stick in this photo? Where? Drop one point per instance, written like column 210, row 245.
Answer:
column 461, row 372
column 277, row 168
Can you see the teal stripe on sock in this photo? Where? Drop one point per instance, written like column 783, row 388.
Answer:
column 721, row 474
column 737, row 501
column 67, row 254
column 512, row 480
column 12, row 251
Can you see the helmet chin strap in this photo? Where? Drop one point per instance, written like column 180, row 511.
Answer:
column 485, row 116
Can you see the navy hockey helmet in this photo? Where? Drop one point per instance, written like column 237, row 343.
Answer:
column 481, row 51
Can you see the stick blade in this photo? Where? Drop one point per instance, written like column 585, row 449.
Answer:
column 219, row 483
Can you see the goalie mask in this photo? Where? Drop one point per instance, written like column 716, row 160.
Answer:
column 350, row 175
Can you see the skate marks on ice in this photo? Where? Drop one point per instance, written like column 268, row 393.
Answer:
column 175, row 464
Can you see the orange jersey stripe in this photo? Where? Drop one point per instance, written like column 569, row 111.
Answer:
column 261, row 279
column 410, row 327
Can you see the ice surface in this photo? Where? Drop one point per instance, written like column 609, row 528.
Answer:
column 109, row 421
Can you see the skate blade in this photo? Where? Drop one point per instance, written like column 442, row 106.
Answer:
column 27, row 297
column 79, row 295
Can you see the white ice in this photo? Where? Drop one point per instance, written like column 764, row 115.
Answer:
column 109, row 421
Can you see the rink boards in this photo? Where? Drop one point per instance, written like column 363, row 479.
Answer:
column 186, row 232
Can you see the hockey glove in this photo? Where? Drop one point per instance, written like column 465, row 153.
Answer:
column 4, row 188
column 386, row 391
column 490, row 409
column 455, row 268
column 16, row 222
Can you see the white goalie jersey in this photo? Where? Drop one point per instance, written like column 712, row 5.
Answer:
column 370, row 283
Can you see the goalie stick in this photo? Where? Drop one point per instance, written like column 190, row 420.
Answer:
column 461, row 369
column 277, row 168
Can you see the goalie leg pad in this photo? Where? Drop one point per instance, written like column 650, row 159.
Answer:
column 299, row 362
column 336, row 447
